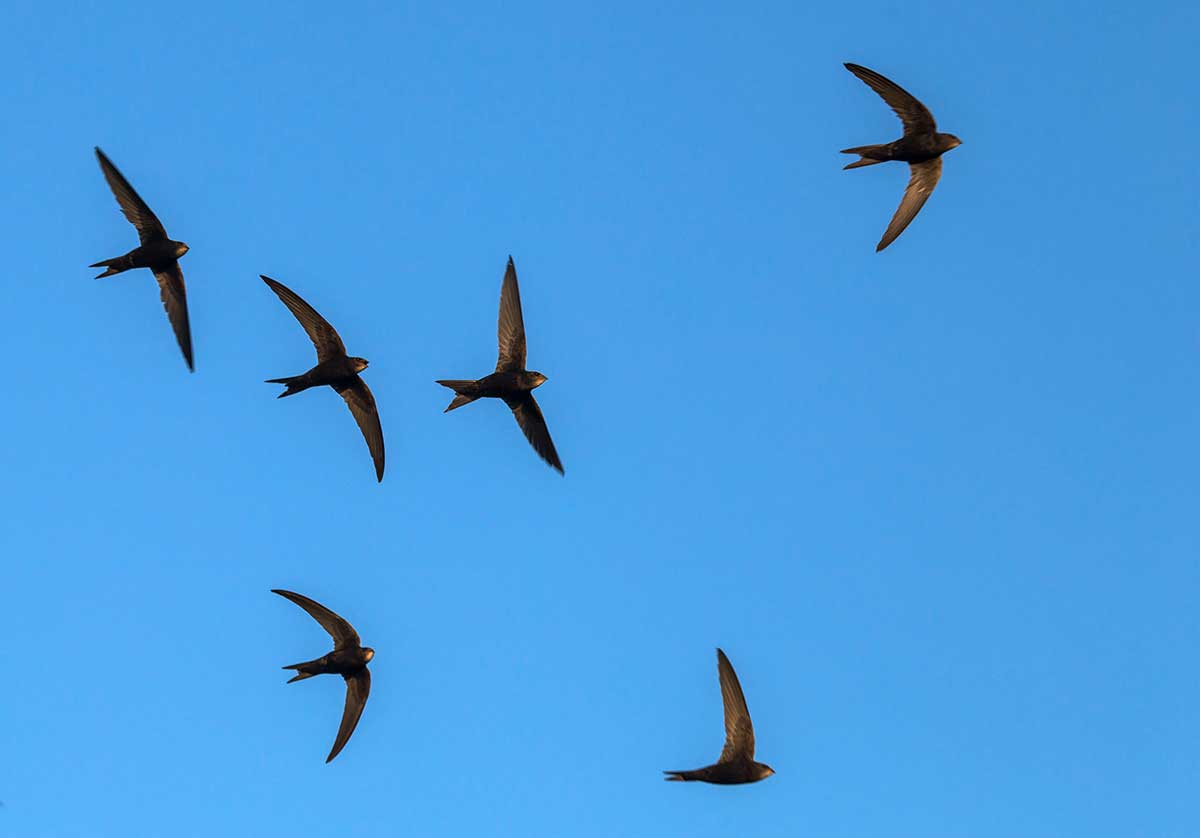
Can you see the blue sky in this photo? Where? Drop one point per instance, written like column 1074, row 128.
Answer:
column 937, row 504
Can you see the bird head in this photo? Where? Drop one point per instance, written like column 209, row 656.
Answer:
column 180, row 249
column 951, row 141
column 764, row 770
column 359, row 364
column 536, row 379
column 368, row 652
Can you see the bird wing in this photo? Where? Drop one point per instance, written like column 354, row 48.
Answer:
column 510, row 329
column 148, row 226
column 358, row 687
column 324, row 337
column 920, row 186
column 533, row 424
column 343, row 634
column 174, row 300
column 916, row 117
column 362, row 404
column 739, row 733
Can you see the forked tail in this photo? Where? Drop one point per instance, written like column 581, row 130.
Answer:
column 463, row 392
column 300, row 670
column 679, row 776
column 115, row 266
column 294, row 385
column 871, row 154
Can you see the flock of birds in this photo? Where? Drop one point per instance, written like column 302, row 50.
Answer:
column 921, row 147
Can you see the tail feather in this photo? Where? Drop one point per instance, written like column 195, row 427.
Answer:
column 114, row 266
column 300, row 673
column 461, row 397
column 293, row 387
column 867, row 152
column 678, row 776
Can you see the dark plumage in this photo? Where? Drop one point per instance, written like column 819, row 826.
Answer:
column 511, row 381
column 921, row 148
column 349, row 659
column 157, row 252
column 334, row 368
column 736, row 764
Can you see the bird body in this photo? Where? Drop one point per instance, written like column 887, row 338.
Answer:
column 733, row 773
column 335, row 372
column 914, row 149
column 921, row 147
column 344, row 662
column 157, row 255
column 510, row 386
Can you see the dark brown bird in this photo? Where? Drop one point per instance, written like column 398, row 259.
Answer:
column 736, row 764
column 157, row 252
column 349, row 659
column 921, row 148
column 511, row 381
column 334, row 368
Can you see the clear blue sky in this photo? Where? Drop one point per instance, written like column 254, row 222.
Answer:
column 939, row 504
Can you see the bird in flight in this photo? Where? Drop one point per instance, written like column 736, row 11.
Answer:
column 921, row 148
column 157, row 252
column 736, row 764
column 349, row 659
column 511, row 381
column 334, row 368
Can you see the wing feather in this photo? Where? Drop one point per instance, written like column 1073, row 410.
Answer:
column 916, row 117
column 533, row 425
column 343, row 634
column 739, row 733
column 358, row 687
column 362, row 405
column 148, row 226
column 923, row 179
column 174, row 299
column 324, row 337
column 510, row 328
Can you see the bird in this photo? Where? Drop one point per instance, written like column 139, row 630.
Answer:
column 511, row 381
column 921, row 147
column 157, row 251
column 349, row 659
column 736, row 764
column 335, row 368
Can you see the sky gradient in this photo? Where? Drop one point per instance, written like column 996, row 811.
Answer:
column 938, row 505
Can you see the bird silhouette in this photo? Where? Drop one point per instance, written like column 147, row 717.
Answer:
column 335, row 368
column 921, row 148
column 736, row 764
column 511, row 381
column 157, row 252
column 349, row 659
